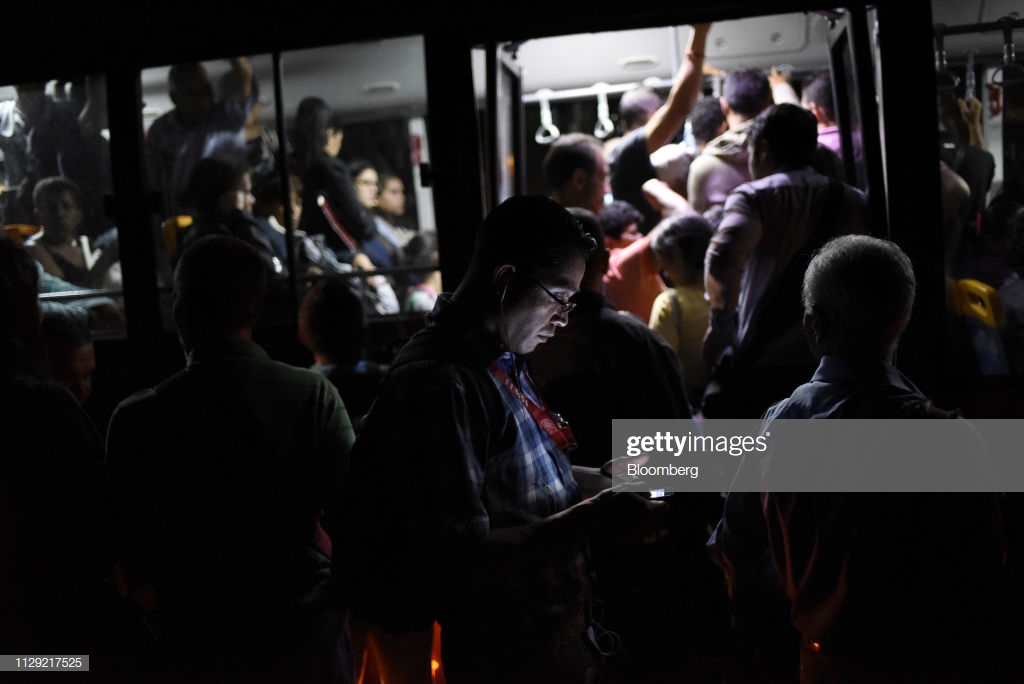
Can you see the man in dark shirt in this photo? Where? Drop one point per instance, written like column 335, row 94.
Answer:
column 881, row 586
column 630, row 160
column 229, row 476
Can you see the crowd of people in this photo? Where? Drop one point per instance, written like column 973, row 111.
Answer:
column 427, row 519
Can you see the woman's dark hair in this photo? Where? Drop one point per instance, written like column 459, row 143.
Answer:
column 209, row 179
column 309, row 131
column 357, row 166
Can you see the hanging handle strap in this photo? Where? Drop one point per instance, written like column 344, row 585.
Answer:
column 547, row 132
column 604, row 126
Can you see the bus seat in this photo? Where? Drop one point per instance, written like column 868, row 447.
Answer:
column 19, row 232
column 978, row 306
column 172, row 228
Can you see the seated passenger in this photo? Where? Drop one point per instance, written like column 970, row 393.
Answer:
column 60, row 246
column 218, row 196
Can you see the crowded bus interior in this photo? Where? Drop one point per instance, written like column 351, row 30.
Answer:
column 527, row 88
column 434, row 116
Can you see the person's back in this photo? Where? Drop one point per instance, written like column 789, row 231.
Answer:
column 723, row 163
column 882, row 586
column 680, row 314
column 228, row 475
column 757, row 255
column 198, row 127
column 671, row 162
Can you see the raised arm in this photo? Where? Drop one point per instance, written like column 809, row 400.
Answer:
column 663, row 198
column 240, row 77
column 670, row 117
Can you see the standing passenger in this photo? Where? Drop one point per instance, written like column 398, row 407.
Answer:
column 723, row 163
column 316, row 139
column 228, row 475
column 886, row 587
column 199, row 126
column 754, row 343
column 630, row 160
column 463, row 508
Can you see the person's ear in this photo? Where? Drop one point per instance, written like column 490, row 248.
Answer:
column 501, row 279
column 602, row 257
column 816, row 328
column 579, row 179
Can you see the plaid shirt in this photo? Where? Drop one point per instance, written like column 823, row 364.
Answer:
column 447, row 454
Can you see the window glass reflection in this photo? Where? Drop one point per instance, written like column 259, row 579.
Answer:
column 57, row 194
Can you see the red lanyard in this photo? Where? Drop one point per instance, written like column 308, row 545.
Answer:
column 556, row 427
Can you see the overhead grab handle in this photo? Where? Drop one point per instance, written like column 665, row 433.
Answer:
column 1010, row 71
column 547, row 132
column 943, row 76
column 604, row 126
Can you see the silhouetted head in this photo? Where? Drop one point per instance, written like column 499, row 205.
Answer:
column 785, row 136
column 747, row 92
column 216, row 187
column 707, row 121
column 636, row 106
column 332, row 321
column 858, row 292
column 680, row 242
column 69, row 349
column 191, row 92
column 816, row 96
column 220, row 284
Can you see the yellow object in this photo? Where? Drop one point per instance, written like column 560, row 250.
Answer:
column 172, row 228
column 978, row 300
column 20, row 231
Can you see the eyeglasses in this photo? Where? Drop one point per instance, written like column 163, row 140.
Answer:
column 564, row 305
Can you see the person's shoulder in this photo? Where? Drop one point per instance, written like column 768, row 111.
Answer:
column 729, row 143
column 627, row 329
column 633, row 143
column 129, row 411
column 162, row 124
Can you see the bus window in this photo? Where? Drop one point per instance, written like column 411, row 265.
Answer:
column 981, row 147
column 57, row 194
column 355, row 120
column 209, row 137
